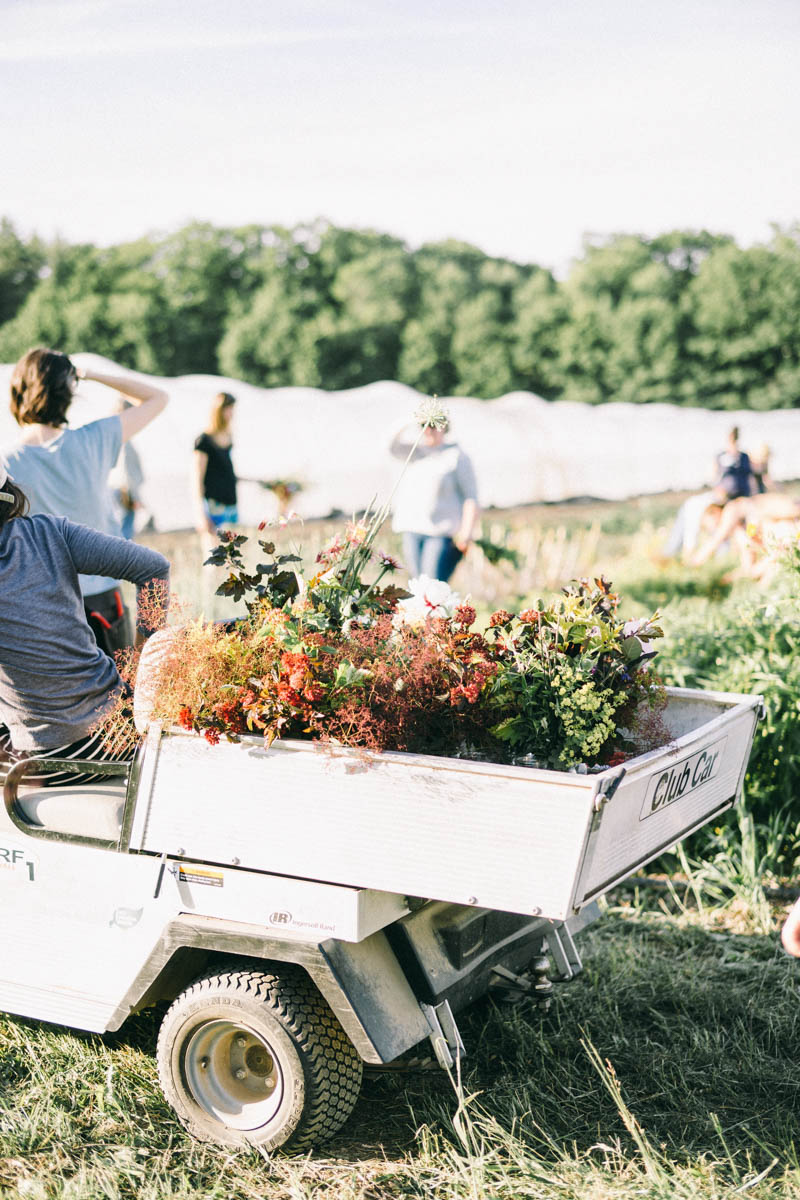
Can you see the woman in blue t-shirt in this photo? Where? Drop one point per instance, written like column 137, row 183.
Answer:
column 734, row 471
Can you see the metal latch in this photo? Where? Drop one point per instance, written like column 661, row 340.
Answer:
column 566, row 958
column 445, row 1038
column 606, row 788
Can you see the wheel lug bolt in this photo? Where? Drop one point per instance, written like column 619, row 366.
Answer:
column 240, row 1040
column 203, row 1064
column 241, row 1073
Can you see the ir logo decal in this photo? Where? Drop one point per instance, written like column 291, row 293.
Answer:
column 280, row 918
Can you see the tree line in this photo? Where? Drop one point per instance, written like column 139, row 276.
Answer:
column 685, row 317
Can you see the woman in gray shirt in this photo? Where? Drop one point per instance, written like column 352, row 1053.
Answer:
column 56, row 684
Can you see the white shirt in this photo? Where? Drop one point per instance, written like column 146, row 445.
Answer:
column 431, row 493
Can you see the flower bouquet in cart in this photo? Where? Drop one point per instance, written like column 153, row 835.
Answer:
column 345, row 656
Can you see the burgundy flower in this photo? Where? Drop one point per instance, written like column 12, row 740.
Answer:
column 465, row 614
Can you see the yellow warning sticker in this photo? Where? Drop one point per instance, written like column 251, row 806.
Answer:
column 200, row 875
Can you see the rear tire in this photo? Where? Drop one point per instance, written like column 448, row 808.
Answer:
column 248, row 1057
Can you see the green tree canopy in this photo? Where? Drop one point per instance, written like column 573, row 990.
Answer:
column 684, row 317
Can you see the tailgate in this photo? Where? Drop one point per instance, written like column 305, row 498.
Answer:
column 669, row 793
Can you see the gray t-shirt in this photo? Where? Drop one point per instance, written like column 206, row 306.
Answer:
column 55, row 683
column 431, row 493
column 69, row 478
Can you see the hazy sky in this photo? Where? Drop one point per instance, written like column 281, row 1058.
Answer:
column 518, row 125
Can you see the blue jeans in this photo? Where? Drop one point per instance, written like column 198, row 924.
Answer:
column 434, row 556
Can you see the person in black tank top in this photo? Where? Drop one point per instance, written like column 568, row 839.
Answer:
column 215, row 477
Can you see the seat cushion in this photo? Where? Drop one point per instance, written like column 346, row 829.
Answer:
column 89, row 810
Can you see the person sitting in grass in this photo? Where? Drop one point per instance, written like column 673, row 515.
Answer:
column 748, row 524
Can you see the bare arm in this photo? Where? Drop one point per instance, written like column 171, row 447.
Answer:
column 147, row 399
column 202, row 522
column 403, row 441
column 469, row 519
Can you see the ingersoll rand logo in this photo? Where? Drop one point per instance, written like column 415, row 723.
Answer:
column 682, row 778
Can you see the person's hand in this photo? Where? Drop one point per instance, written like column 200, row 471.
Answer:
column 790, row 934
column 461, row 542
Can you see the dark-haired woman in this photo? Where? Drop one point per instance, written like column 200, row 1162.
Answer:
column 56, row 684
column 65, row 471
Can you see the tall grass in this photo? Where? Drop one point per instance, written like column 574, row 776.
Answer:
column 667, row 1069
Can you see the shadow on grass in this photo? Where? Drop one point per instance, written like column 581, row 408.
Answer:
column 700, row 1028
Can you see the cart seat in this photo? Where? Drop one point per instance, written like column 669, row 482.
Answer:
column 87, row 810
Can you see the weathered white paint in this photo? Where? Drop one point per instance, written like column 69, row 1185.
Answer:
column 470, row 833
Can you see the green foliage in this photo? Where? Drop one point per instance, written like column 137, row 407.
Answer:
column 569, row 677
column 685, row 317
column 748, row 645
column 20, row 263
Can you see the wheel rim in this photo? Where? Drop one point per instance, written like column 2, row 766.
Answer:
column 233, row 1074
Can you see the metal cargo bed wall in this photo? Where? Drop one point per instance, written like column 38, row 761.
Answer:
column 483, row 834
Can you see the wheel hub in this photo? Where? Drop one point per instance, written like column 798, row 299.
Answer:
column 233, row 1075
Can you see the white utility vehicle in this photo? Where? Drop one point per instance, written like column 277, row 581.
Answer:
column 308, row 910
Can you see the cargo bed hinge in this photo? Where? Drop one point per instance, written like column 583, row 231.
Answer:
column 445, row 1038
column 606, row 788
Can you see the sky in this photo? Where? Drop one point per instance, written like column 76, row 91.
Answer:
column 520, row 126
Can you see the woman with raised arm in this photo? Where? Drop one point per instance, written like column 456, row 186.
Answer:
column 436, row 502
column 65, row 471
column 56, row 684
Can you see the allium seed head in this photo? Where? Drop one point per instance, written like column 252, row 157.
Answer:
column 432, row 414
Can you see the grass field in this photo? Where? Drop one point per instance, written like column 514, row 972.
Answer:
column 668, row 1068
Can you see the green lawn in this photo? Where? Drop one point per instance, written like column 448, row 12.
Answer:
column 669, row 1068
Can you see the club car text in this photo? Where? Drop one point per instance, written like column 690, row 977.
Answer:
column 683, row 778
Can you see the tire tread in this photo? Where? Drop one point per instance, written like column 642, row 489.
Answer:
column 334, row 1068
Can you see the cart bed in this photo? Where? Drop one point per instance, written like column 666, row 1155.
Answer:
column 504, row 837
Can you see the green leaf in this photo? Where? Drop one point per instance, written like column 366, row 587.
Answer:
column 349, row 676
